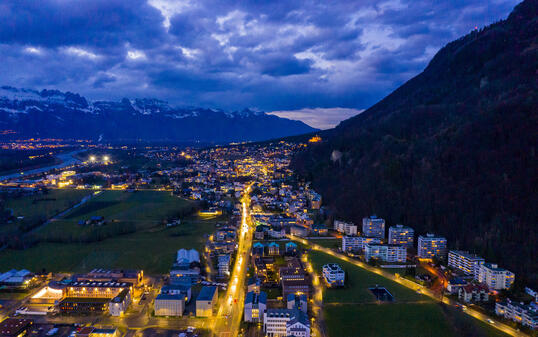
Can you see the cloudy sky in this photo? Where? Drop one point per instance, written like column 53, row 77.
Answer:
column 320, row 61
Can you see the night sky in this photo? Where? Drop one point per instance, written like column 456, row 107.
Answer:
column 319, row 61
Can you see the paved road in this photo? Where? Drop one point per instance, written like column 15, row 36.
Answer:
column 412, row 285
column 228, row 319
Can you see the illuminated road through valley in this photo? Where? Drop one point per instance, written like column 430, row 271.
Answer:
column 230, row 311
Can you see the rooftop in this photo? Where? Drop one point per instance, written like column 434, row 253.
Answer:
column 206, row 294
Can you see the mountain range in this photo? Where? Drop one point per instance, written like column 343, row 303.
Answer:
column 452, row 151
column 29, row 113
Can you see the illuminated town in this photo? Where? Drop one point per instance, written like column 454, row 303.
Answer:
column 259, row 272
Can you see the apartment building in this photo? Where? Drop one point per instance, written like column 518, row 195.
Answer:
column 494, row 277
column 373, row 227
column 401, row 235
column 526, row 315
column 334, row 275
column 356, row 243
column 465, row 262
column 348, row 228
column 385, row 252
column 430, row 246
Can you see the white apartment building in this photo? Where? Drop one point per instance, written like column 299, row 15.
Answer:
column 431, row 246
column 401, row 235
column 468, row 263
column 526, row 315
column 334, row 275
column 356, row 243
column 224, row 264
column 373, row 227
column 255, row 305
column 386, row 253
column 495, row 277
column 285, row 323
column 348, row 228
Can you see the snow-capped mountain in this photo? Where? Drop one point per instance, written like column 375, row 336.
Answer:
column 56, row 114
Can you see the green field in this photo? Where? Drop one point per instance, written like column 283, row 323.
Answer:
column 357, row 283
column 354, row 311
column 402, row 319
column 123, row 212
column 39, row 208
column 152, row 250
column 134, row 236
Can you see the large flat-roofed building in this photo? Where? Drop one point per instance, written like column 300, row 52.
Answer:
column 16, row 279
column 169, row 305
column 84, row 305
column 373, row 227
column 255, row 305
column 295, row 287
column 465, row 262
column 134, row 277
column 348, row 228
column 495, row 277
column 178, row 289
column 206, row 300
column 401, row 235
column 184, row 274
column 430, row 246
column 96, row 289
column 357, row 243
column 333, row 275
column 385, row 252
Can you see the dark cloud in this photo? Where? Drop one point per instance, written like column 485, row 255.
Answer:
column 273, row 55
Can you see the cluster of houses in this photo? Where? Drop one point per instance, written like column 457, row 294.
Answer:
column 220, row 247
column 295, row 284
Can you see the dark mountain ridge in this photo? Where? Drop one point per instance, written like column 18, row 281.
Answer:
column 452, row 151
column 55, row 114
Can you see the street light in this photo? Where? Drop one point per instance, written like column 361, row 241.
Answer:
column 92, row 159
column 106, row 158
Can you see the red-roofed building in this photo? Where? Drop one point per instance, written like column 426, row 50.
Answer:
column 474, row 293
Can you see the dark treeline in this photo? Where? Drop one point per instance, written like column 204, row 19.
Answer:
column 452, row 151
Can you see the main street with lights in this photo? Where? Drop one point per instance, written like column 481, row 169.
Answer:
column 229, row 315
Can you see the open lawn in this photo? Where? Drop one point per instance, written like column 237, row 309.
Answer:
column 39, row 208
column 354, row 311
column 402, row 319
column 152, row 250
column 123, row 212
column 358, row 281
